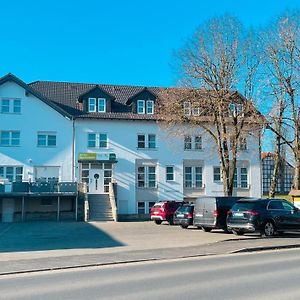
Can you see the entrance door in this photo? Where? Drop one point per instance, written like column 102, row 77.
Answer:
column 8, row 209
column 96, row 182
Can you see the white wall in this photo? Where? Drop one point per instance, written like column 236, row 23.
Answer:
column 122, row 137
column 35, row 116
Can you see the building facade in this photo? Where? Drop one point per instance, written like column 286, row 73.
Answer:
column 96, row 134
column 285, row 177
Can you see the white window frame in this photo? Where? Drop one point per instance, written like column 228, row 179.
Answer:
column 239, row 178
column 187, row 108
column 46, row 134
column 11, row 105
column 192, row 142
column 104, row 101
column 10, row 138
column 148, row 102
column 142, row 102
column 147, row 141
column 3, row 172
column 243, row 145
column 216, row 173
column 146, row 176
column 97, row 140
column 168, row 173
column 94, row 105
column 193, row 179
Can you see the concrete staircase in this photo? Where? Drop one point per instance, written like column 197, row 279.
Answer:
column 100, row 208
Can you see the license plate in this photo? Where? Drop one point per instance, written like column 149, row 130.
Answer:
column 156, row 212
column 238, row 214
column 199, row 215
column 180, row 216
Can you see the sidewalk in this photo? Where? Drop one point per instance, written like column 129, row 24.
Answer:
column 210, row 244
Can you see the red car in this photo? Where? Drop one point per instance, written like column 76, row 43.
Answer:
column 164, row 211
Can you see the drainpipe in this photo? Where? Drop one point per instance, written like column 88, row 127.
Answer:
column 73, row 149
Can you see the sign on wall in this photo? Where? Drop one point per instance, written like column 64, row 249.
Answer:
column 96, row 156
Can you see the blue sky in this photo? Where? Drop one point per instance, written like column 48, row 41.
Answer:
column 119, row 42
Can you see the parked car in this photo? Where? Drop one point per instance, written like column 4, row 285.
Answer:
column 211, row 212
column 184, row 215
column 266, row 216
column 164, row 211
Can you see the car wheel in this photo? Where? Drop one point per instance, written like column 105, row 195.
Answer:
column 206, row 229
column 158, row 222
column 237, row 232
column 184, row 226
column 269, row 229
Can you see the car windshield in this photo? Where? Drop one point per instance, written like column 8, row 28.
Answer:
column 243, row 206
column 185, row 208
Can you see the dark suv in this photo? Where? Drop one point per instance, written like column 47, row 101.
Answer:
column 183, row 216
column 266, row 216
column 164, row 211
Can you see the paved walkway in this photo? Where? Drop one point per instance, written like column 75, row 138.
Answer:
column 49, row 245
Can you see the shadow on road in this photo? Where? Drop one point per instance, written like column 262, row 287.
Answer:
column 37, row 236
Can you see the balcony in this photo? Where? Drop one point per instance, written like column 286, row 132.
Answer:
column 40, row 188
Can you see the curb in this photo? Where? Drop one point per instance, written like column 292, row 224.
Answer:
column 124, row 262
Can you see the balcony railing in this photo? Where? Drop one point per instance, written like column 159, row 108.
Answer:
column 63, row 187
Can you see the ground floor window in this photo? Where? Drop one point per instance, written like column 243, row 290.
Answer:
column 12, row 173
column 240, row 179
column 144, row 207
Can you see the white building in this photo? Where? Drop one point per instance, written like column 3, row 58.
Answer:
column 73, row 132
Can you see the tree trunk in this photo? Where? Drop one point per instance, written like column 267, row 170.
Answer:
column 274, row 176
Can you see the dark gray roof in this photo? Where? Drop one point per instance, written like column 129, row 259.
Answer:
column 66, row 95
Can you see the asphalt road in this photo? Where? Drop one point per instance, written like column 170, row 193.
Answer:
column 265, row 275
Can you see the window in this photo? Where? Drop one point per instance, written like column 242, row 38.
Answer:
column 146, row 141
column 217, row 174
column 10, row 106
column 187, row 142
column 101, row 105
column 196, row 111
column 151, row 141
column 187, row 108
column 141, row 141
column 9, row 138
column 141, row 208
column 275, row 205
column 17, row 106
column 198, row 142
column 235, row 178
column 243, row 143
column 192, row 142
column 150, row 107
column 97, row 140
column 141, row 106
column 236, row 109
column 92, row 104
column 287, row 206
column 12, row 173
column 240, row 179
column 169, row 173
column 45, row 139
column 146, row 177
column 244, row 178
column 193, row 177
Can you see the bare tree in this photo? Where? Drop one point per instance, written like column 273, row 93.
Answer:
column 220, row 58
column 281, row 43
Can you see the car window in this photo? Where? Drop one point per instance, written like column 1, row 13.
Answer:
column 287, row 206
column 243, row 206
column 275, row 205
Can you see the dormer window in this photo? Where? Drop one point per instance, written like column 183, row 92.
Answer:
column 92, row 104
column 101, row 105
column 141, row 107
column 97, row 105
column 150, row 107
